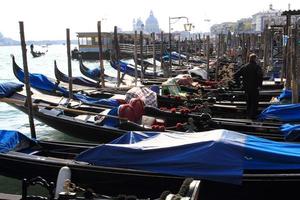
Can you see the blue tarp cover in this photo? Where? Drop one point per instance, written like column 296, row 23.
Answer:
column 95, row 72
column 174, row 56
column 285, row 113
column 91, row 100
column 42, row 82
column 291, row 131
column 285, row 94
column 218, row 155
column 13, row 140
column 9, row 88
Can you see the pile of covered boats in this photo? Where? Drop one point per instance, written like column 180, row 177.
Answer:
column 155, row 136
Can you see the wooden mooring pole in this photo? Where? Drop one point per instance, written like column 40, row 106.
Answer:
column 135, row 58
column 154, row 54
column 117, row 55
column 207, row 55
column 100, row 54
column 293, row 63
column 170, row 55
column 141, row 54
column 27, row 81
column 179, row 50
column 69, row 64
column 161, row 53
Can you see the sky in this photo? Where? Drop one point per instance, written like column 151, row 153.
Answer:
column 48, row 19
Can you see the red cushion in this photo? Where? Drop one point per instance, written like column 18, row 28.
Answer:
column 126, row 111
column 138, row 107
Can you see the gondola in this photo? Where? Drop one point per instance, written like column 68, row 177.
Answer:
column 105, row 124
column 129, row 69
column 230, row 165
column 49, row 86
column 75, row 80
column 94, row 74
column 101, row 123
column 60, row 76
column 108, row 99
column 35, row 54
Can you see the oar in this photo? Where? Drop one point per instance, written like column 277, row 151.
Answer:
column 20, row 102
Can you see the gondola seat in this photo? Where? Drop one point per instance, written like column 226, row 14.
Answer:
column 127, row 111
column 138, row 108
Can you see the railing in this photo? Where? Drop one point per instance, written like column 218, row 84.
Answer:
column 147, row 49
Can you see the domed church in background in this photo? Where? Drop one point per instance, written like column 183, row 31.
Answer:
column 138, row 25
column 152, row 24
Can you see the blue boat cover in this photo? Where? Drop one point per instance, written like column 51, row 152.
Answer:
column 174, row 56
column 97, row 101
column 285, row 94
column 218, row 155
column 95, row 72
column 9, row 88
column 14, row 140
column 291, row 132
column 42, row 82
column 109, row 121
column 285, row 113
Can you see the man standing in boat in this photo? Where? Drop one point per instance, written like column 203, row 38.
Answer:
column 252, row 77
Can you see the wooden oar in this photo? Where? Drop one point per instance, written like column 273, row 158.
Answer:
column 20, row 102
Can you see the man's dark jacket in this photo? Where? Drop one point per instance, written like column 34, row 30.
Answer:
column 252, row 76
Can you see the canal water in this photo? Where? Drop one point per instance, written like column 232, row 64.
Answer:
column 12, row 119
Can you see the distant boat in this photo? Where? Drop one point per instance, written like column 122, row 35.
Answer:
column 36, row 54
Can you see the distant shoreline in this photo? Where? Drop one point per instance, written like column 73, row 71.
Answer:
column 43, row 42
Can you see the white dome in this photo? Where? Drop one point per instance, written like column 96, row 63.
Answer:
column 152, row 24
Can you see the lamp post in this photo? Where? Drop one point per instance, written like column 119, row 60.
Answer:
column 187, row 27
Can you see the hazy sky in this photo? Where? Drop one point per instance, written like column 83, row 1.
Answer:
column 49, row 19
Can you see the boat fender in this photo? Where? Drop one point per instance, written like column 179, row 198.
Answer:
column 63, row 175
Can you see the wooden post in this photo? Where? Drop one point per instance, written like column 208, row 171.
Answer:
column 295, row 93
column 154, row 54
column 288, row 61
column 207, row 54
column 200, row 45
column 27, row 81
column 170, row 55
column 218, row 57
column 117, row 55
column 69, row 64
column 266, row 49
column 141, row 54
column 100, row 54
column 179, row 50
column 135, row 58
column 285, row 55
column 161, row 53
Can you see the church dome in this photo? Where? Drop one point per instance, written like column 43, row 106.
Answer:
column 152, row 24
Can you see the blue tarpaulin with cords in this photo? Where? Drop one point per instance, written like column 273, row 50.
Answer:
column 218, row 155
